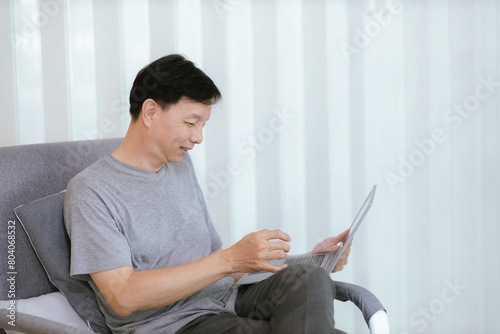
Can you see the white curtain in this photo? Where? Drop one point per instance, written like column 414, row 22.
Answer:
column 322, row 100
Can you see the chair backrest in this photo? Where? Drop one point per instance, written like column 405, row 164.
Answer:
column 27, row 173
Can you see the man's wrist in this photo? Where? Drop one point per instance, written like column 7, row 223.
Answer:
column 223, row 259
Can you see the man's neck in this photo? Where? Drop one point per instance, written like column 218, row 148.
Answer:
column 133, row 152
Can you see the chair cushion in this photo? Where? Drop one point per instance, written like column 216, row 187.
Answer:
column 52, row 306
column 43, row 223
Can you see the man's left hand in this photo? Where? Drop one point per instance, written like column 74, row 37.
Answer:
column 330, row 245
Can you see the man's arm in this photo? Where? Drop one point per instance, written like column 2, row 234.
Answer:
column 127, row 291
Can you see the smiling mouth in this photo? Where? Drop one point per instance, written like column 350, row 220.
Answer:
column 185, row 148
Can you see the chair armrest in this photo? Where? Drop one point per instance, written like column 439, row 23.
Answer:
column 30, row 324
column 379, row 324
column 367, row 302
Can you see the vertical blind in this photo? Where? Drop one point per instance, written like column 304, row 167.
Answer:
column 322, row 100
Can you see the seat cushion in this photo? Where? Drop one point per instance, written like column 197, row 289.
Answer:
column 52, row 306
column 43, row 223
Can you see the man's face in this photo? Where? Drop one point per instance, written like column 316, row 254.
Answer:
column 180, row 127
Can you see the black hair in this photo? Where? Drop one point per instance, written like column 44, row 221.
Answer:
column 167, row 80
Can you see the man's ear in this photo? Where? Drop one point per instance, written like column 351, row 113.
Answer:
column 149, row 110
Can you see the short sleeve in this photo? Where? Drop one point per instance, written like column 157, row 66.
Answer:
column 96, row 241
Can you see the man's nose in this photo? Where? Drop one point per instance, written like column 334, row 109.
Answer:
column 197, row 136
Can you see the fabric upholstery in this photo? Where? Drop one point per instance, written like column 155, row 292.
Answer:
column 30, row 324
column 52, row 306
column 43, row 223
column 30, row 172
column 362, row 298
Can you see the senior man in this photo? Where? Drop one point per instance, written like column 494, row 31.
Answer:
column 142, row 237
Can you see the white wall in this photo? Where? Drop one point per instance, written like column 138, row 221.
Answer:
column 322, row 99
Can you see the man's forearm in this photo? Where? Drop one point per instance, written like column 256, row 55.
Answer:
column 127, row 291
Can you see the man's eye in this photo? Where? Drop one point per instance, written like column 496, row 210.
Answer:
column 190, row 124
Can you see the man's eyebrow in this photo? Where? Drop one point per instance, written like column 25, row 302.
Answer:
column 195, row 116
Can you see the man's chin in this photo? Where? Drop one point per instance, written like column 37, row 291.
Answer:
column 176, row 158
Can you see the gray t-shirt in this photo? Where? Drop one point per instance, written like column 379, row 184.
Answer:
column 118, row 215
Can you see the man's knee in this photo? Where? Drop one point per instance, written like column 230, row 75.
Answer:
column 309, row 274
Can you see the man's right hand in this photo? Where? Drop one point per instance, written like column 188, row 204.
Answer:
column 253, row 252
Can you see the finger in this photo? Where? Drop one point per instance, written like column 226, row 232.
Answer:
column 275, row 269
column 332, row 248
column 345, row 255
column 338, row 238
column 280, row 245
column 348, row 249
column 343, row 235
column 330, row 242
column 339, row 266
column 277, row 234
column 277, row 255
column 350, row 242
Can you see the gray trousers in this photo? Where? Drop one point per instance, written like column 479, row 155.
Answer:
column 298, row 299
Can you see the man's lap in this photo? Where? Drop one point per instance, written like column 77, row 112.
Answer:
column 292, row 299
